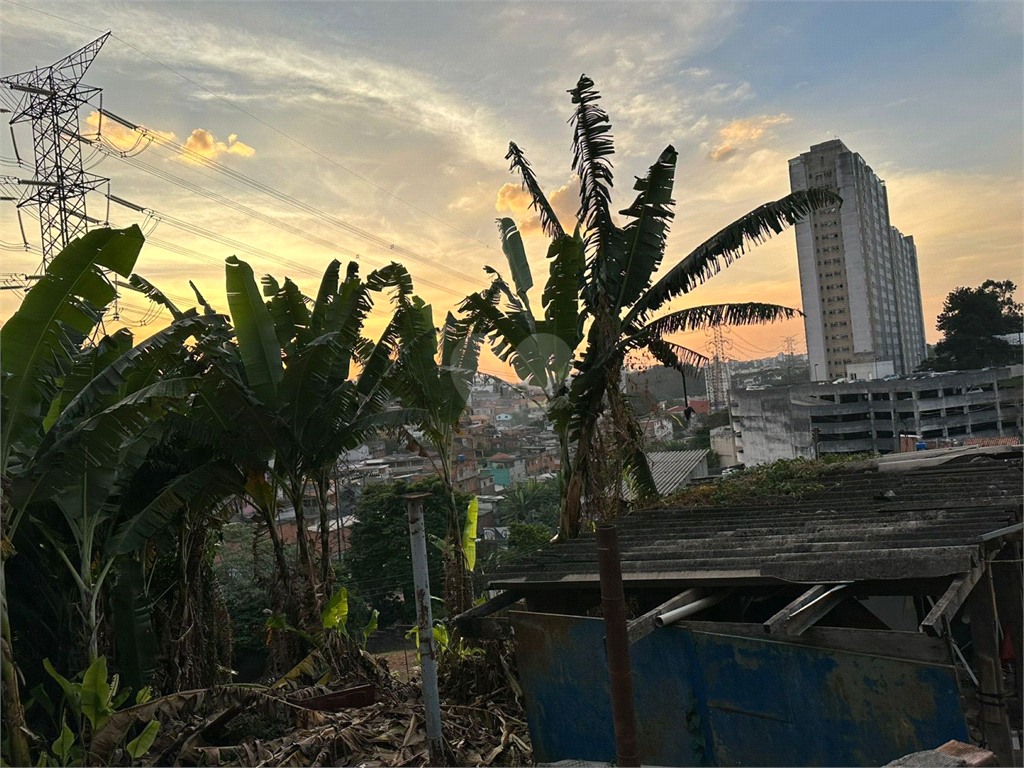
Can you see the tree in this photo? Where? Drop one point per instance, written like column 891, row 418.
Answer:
column 970, row 321
column 292, row 406
column 380, row 561
column 541, row 349
column 435, row 374
column 533, row 502
column 79, row 421
column 620, row 301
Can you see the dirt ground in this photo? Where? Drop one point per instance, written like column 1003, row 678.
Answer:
column 402, row 662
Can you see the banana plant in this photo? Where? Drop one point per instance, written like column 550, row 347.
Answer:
column 94, row 700
column 97, row 436
column 297, row 402
column 36, row 347
column 433, row 382
column 539, row 349
column 620, row 303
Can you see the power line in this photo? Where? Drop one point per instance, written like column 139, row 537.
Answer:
column 276, row 130
column 363, row 234
column 275, row 222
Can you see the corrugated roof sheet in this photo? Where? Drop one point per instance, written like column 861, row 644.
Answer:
column 672, row 469
column 844, row 527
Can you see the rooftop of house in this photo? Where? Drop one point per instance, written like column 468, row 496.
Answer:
column 860, row 521
column 671, row 469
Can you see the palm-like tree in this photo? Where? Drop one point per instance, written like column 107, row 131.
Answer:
column 540, row 349
column 620, row 300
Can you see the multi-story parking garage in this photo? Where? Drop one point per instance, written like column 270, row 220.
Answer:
column 870, row 416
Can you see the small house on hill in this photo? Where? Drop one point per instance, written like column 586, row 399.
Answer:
column 845, row 618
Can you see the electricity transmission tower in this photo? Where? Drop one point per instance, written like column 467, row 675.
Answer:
column 716, row 376
column 789, row 346
column 50, row 99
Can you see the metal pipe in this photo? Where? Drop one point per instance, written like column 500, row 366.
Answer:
column 425, row 624
column 613, row 606
column 695, row 607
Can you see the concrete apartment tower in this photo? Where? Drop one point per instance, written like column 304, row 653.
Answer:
column 858, row 273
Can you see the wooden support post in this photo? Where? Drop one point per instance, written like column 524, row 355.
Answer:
column 620, row 671
column 950, row 602
column 803, row 612
column 995, row 724
column 1006, row 579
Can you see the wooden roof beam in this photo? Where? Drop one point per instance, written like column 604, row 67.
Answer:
column 952, row 599
column 806, row 610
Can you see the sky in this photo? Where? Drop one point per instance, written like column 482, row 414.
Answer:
column 380, row 129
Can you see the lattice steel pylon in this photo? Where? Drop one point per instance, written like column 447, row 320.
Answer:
column 50, row 99
column 716, row 371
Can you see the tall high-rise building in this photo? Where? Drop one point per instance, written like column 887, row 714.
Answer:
column 858, row 273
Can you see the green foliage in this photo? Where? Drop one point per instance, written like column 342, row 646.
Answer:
column 97, row 699
column 59, row 312
column 96, row 694
column 533, row 501
column 970, row 320
column 335, row 613
column 527, row 537
column 141, row 744
column 443, row 645
column 469, row 533
column 379, row 560
column 370, row 628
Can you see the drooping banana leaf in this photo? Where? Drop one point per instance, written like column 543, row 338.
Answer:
column 133, row 627
column 154, row 294
column 548, row 220
column 204, row 485
column 141, row 363
column 59, row 310
column 518, row 264
column 728, row 244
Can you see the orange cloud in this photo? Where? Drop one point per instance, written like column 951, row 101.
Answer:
column 740, row 133
column 516, row 200
column 203, row 143
column 200, row 141
column 121, row 136
column 512, row 197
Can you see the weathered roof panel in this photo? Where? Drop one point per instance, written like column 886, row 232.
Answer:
column 849, row 526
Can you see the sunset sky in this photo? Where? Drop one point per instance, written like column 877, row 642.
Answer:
column 406, row 110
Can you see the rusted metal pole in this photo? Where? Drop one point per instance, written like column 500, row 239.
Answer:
column 613, row 605
column 425, row 623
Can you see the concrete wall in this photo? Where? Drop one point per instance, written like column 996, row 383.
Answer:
column 724, row 444
column 768, row 428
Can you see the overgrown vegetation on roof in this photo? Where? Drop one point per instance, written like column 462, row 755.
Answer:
column 787, row 478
